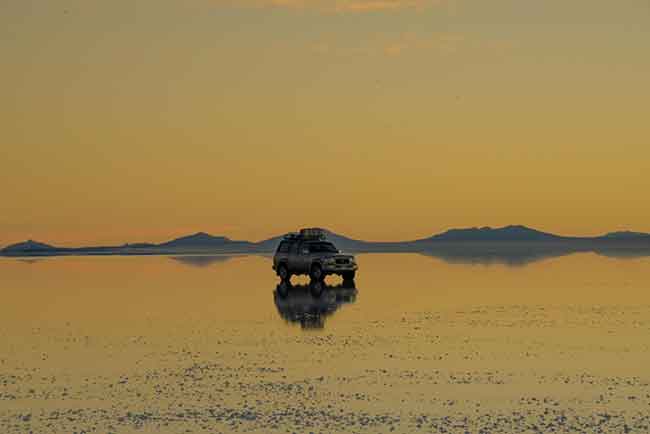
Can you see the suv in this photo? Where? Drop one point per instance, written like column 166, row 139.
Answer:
column 308, row 252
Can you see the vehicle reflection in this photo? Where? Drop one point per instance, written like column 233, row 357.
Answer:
column 309, row 305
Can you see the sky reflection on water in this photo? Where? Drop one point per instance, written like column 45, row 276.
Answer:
column 108, row 292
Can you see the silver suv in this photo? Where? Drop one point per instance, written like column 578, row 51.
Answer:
column 309, row 252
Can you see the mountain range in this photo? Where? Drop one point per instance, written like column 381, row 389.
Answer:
column 454, row 242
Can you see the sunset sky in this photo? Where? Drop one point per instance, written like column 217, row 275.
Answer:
column 143, row 120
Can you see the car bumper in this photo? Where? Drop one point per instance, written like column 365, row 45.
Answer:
column 339, row 268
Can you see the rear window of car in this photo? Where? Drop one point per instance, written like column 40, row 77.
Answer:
column 283, row 247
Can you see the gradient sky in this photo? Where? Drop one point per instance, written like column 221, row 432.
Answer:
column 381, row 119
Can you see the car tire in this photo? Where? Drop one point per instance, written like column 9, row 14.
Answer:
column 316, row 273
column 349, row 275
column 283, row 272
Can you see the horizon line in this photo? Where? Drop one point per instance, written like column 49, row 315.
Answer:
column 626, row 231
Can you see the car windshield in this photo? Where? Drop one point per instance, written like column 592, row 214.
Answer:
column 323, row 248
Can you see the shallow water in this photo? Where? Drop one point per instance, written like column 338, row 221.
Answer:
column 212, row 344
column 109, row 292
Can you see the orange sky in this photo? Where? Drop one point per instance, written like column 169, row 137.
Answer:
column 386, row 120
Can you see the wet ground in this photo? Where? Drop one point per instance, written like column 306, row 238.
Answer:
column 177, row 345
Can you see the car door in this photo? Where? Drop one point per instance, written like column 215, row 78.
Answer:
column 294, row 257
column 304, row 255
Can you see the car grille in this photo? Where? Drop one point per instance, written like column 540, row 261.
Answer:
column 342, row 261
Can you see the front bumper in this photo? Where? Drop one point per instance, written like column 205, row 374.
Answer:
column 339, row 268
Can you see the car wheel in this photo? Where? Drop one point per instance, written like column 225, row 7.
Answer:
column 316, row 273
column 349, row 275
column 283, row 272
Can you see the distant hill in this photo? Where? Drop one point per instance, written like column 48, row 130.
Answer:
column 139, row 245
column 199, row 239
column 507, row 233
column 28, row 246
column 196, row 243
column 625, row 235
column 269, row 244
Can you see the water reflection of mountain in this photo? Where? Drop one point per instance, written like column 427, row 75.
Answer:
column 624, row 253
column 514, row 256
column 309, row 305
column 518, row 255
column 31, row 261
column 200, row 261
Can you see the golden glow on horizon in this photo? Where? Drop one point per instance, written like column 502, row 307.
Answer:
column 142, row 122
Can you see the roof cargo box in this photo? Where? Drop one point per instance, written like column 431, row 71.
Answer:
column 312, row 233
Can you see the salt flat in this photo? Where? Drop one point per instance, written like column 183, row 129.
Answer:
column 125, row 345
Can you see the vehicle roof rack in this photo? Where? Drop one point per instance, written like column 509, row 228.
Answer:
column 312, row 233
column 306, row 234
